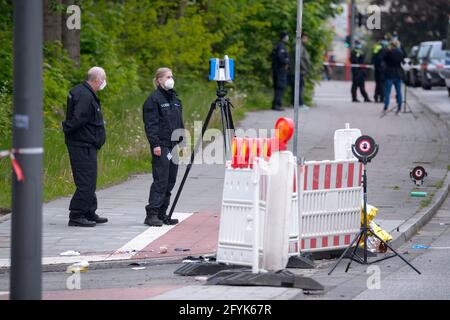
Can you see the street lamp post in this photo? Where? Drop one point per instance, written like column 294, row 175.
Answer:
column 26, row 226
column 297, row 76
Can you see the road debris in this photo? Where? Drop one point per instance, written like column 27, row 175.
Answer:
column 81, row 266
column 69, row 253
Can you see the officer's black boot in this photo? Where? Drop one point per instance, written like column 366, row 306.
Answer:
column 81, row 222
column 166, row 220
column 152, row 219
column 96, row 218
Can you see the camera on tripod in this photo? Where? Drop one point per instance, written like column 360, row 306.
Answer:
column 221, row 70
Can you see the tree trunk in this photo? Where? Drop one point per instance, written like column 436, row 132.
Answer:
column 70, row 38
column 181, row 8
column 52, row 21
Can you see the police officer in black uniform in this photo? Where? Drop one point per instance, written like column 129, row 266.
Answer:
column 358, row 74
column 280, row 68
column 84, row 132
column 162, row 114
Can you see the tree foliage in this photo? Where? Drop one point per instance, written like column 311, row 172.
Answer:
column 132, row 38
column 415, row 21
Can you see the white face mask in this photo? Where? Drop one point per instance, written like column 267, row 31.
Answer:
column 103, row 85
column 169, row 84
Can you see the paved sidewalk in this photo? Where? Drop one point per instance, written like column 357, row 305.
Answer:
column 404, row 143
column 436, row 100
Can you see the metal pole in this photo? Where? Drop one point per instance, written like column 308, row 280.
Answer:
column 352, row 23
column 297, row 75
column 26, row 229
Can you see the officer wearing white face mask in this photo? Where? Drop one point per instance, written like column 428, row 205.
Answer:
column 84, row 131
column 163, row 114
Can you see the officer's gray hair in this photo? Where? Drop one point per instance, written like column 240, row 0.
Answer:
column 95, row 73
column 161, row 72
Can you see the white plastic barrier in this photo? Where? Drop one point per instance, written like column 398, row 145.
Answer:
column 236, row 233
column 343, row 140
column 246, row 201
column 278, row 211
column 330, row 194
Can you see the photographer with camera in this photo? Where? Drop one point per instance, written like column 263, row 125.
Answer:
column 162, row 113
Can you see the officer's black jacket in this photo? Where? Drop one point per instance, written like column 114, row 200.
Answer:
column 163, row 114
column 280, row 57
column 84, row 125
column 357, row 57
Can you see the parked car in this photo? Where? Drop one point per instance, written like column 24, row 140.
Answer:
column 445, row 73
column 432, row 59
column 412, row 68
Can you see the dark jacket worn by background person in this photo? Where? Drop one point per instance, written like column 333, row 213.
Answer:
column 84, row 125
column 378, row 60
column 305, row 64
column 393, row 59
column 280, row 57
column 162, row 113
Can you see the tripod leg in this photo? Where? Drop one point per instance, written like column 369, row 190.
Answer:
column 188, row 168
column 229, row 125
column 230, row 117
column 395, row 252
column 345, row 252
column 226, row 138
column 361, row 233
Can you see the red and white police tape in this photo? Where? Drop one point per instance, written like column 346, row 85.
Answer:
column 340, row 64
column 16, row 166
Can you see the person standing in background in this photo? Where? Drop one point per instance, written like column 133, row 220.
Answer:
column 358, row 73
column 379, row 66
column 280, row 66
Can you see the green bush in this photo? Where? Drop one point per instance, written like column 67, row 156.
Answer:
column 5, row 118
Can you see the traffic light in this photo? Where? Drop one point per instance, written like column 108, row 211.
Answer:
column 360, row 19
column 348, row 41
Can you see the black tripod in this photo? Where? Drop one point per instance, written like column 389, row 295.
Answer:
column 225, row 106
column 405, row 104
column 365, row 229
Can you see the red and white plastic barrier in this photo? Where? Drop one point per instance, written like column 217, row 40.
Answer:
column 264, row 203
column 330, row 204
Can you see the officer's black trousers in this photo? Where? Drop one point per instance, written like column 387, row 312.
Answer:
column 279, row 84
column 301, row 94
column 164, row 178
column 379, row 86
column 359, row 81
column 84, row 170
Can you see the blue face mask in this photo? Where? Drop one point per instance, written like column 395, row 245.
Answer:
column 358, row 46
